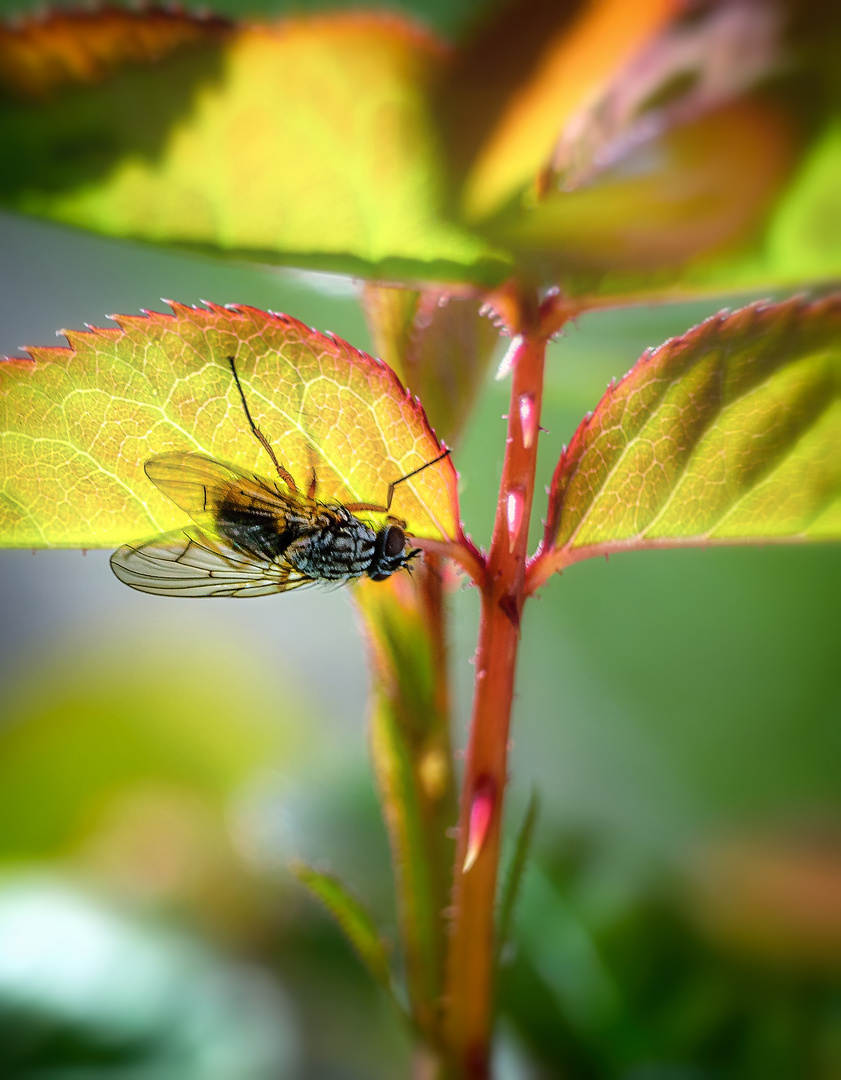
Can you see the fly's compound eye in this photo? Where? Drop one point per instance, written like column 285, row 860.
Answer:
column 395, row 541
column 388, row 554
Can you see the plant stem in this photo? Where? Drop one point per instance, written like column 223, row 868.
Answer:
column 470, row 965
column 412, row 758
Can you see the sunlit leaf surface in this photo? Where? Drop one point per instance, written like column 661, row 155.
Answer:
column 731, row 433
column 78, row 424
column 303, row 141
column 662, row 154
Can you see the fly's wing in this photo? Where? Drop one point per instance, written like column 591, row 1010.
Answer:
column 188, row 563
column 199, row 485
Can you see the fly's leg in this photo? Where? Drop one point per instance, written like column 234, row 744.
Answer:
column 313, row 484
column 409, row 476
column 372, row 508
column 284, row 474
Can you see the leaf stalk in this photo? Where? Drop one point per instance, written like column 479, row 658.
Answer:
column 470, row 963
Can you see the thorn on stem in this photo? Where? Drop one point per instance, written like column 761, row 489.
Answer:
column 481, row 815
column 515, row 509
column 528, row 419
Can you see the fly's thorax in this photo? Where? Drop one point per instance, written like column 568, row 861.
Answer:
column 341, row 548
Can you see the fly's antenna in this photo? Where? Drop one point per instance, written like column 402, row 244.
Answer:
column 409, row 476
column 258, row 434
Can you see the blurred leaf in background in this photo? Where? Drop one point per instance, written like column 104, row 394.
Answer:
column 605, row 149
column 89, row 986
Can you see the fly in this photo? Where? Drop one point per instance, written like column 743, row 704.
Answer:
column 253, row 537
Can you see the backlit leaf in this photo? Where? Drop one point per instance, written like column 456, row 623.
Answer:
column 40, row 55
column 611, row 149
column 78, row 424
column 690, row 67
column 729, row 434
column 696, row 152
column 303, row 141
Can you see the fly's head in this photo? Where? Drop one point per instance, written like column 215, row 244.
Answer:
column 390, row 554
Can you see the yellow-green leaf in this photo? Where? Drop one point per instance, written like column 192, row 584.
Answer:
column 304, row 141
column 607, row 148
column 78, row 424
column 729, row 434
column 669, row 156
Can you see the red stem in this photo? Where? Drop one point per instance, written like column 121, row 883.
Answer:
column 469, row 989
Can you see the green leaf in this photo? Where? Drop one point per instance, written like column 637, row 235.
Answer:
column 514, row 877
column 614, row 150
column 78, row 424
column 729, row 434
column 305, row 141
column 353, row 918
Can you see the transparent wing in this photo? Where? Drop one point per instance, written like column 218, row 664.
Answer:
column 187, row 563
column 199, row 485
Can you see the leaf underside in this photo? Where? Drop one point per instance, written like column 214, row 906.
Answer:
column 78, row 424
column 439, row 345
column 359, row 144
column 728, row 434
column 305, row 141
